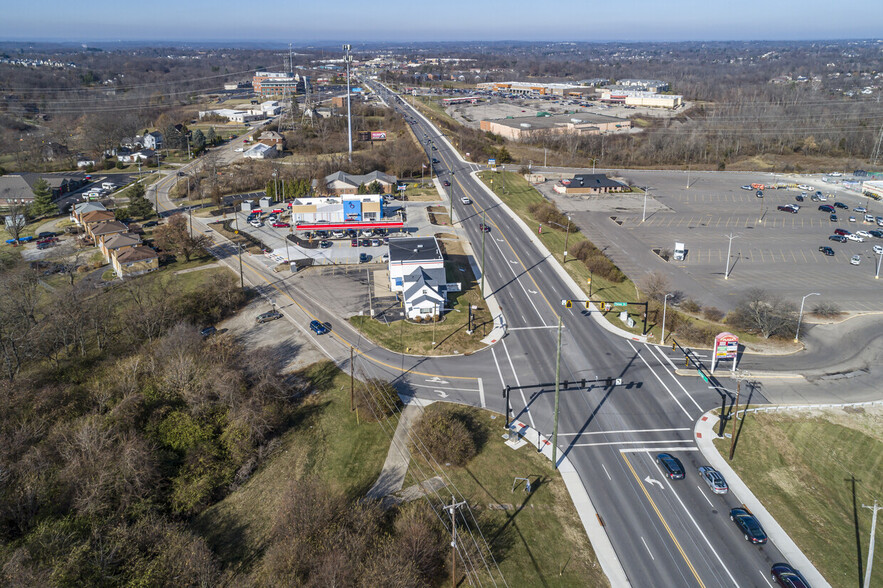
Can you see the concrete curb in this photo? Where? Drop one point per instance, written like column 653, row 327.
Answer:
column 575, row 290
column 754, row 374
column 704, row 434
column 604, row 552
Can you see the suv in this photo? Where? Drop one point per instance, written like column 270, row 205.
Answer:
column 827, row 251
column 843, row 232
column 841, row 206
column 671, row 466
column 268, row 316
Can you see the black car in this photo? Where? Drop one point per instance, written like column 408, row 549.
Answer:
column 876, row 233
column 671, row 466
column 838, row 238
column 841, row 205
column 827, row 251
column 45, row 235
column 759, row 193
column 208, row 332
column 826, row 208
column 799, row 198
column 750, row 527
column 268, row 316
column 833, row 218
column 325, row 244
column 434, row 160
column 364, row 257
column 787, row 576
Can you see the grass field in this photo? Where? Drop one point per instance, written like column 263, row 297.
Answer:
column 798, row 465
column 537, row 538
column 325, row 441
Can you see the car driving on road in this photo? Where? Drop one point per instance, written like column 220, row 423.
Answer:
column 484, row 228
column 749, row 525
column 714, row 479
column 786, row 576
column 671, row 466
column 319, row 328
column 465, row 200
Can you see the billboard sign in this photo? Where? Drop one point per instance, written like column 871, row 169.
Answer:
column 378, row 135
column 492, row 162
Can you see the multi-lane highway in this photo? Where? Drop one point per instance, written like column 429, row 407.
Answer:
column 665, row 533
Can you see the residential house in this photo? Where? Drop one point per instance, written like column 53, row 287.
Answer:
column 417, row 270
column 271, row 138
column 82, row 208
column 85, row 161
column 261, row 151
column 344, row 183
column 103, row 231
column 118, row 243
column 152, row 140
column 421, row 293
column 125, row 156
column 15, row 189
column 134, row 261
column 590, row 184
column 95, row 217
column 18, row 188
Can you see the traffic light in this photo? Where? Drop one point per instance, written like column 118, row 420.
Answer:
column 569, row 304
column 588, row 304
column 506, row 392
column 673, row 344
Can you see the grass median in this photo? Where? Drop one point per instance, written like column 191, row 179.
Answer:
column 799, row 466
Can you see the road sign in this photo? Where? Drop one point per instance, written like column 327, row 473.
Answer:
column 492, row 162
column 702, row 375
column 588, row 280
column 620, row 303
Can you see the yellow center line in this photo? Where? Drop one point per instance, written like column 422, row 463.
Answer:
column 664, row 524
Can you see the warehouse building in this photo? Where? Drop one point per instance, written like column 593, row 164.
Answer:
column 654, row 86
column 577, row 123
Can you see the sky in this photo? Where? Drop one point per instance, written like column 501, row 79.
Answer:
column 307, row 21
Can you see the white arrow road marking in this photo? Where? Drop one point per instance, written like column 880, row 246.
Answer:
column 650, row 480
column 533, row 292
column 437, row 380
column 513, row 262
column 441, row 393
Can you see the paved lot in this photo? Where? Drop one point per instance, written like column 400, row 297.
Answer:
column 774, row 250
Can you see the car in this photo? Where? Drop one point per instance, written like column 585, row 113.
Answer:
column 434, row 160
column 804, row 187
column 864, row 234
column 256, row 222
column 878, row 249
column 671, row 466
column 827, row 251
column 268, row 316
column 788, row 208
column 746, row 187
column 354, row 242
column 852, row 219
column 843, row 232
column 749, row 525
column 759, row 193
column 446, row 183
column 466, row 200
column 855, row 259
column 786, row 576
column 45, row 234
column 833, row 218
column 841, row 206
column 800, row 197
column 376, row 242
column 826, row 208
column 484, row 228
column 365, row 242
column 855, row 238
column 208, row 331
column 714, row 479
column 337, row 234
column 814, row 198
column 272, row 218
column 869, row 218
column 319, row 328
column 876, row 233
column 149, row 224
column 281, row 225
column 364, row 257
column 325, row 243
column 835, row 174
column 859, row 209
column 239, row 150
column 838, row 238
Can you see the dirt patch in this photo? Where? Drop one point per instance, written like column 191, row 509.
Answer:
column 251, row 245
column 438, row 215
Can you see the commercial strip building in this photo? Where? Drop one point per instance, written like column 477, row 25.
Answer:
column 578, row 123
column 350, row 208
column 268, row 83
column 589, row 184
column 641, row 98
column 535, row 89
column 417, row 270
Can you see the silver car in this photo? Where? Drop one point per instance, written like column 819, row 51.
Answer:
column 714, row 479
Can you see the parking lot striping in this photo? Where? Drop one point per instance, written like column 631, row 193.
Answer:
column 518, row 383
column 605, row 471
column 670, row 393
column 648, row 549
column 695, row 524
column 662, row 520
column 624, row 431
column 606, row 443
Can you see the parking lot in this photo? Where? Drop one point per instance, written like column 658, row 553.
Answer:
column 771, row 249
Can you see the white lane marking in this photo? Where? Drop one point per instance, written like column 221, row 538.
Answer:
column 704, row 496
column 698, row 528
column 670, row 393
column 447, row 388
column 437, row 380
column 673, row 366
column 630, row 442
column 481, row 393
column 648, row 549
column 675, row 378
column 652, row 481
column 656, row 449
column 624, row 431
column 518, row 281
column 533, row 292
column 767, row 580
column 605, row 471
column 518, row 383
column 531, row 328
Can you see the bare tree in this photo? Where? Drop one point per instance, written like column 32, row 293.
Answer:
column 16, row 219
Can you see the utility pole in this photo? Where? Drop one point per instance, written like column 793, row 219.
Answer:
column 664, row 304
column 241, row 278
column 566, row 235
column 352, row 382
column 349, row 119
column 451, row 197
column 731, row 236
column 452, row 510
column 482, row 254
column 736, row 411
column 874, row 508
column 858, row 539
column 557, row 393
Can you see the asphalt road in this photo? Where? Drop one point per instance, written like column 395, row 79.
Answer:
column 665, row 534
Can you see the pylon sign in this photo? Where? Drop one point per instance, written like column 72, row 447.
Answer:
column 726, row 346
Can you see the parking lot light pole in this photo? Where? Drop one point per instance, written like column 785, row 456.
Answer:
column 664, row 301
column 731, row 236
column 800, row 315
column 644, row 214
column 879, row 259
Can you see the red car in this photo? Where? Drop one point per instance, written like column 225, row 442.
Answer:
column 280, row 225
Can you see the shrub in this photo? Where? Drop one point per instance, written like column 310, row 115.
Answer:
column 765, row 313
column 691, row 306
column 712, row 314
column 376, row 400
column 583, row 250
column 826, row 309
column 546, row 212
column 691, row 332
column 448, row 433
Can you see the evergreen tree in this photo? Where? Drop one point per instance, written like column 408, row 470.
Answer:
column 211, row 136
column 139, row 206
column 197, row 141
column 42, row 204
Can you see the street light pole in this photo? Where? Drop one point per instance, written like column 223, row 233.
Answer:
column 664, row 302
column 731, row 236
column 879, row 259
column 482, row 253
column 241, row 278
column 644, row 214
column 566, row 235
column 349, row 119
column 800, row 316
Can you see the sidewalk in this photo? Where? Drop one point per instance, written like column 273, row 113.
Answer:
column 704, row 434
column 395, row 468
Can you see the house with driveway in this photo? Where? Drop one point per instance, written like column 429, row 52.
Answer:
column 343, row 183
column 417, row 270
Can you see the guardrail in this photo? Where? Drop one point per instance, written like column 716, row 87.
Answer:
column 805, row 407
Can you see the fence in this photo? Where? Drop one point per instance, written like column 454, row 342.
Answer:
column 787, row 407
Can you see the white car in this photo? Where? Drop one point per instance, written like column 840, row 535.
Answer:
column 465, row 200
column 878, row 249
column 863, row 234
column 804, row 187
column 859, row 209
column 855, row 237
column 256, row 222
column 855, row 259
column 852, row 219
column 239, row 150
column 835, row 174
